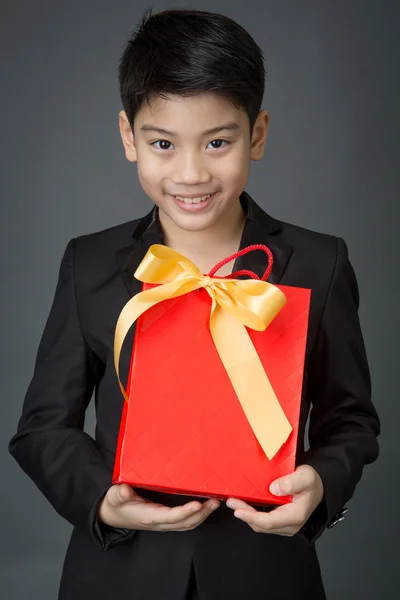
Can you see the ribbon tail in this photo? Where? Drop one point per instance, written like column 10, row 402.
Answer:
column 250, row 382
column 137, row 305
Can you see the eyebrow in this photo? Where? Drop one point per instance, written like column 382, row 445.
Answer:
column 231, row 125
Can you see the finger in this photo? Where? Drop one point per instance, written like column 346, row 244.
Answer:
column 120, row 494
column 199, row 517
column 286, row 516
column 126, row 492
column 294, row 483
column 238, row 503
column 179, row 521
column 159, row 514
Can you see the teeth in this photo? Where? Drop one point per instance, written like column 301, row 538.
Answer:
column 193, row 200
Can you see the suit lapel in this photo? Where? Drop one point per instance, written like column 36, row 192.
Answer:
column 148, row 232
column 260, row 228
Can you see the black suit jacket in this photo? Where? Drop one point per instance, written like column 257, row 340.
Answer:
column 73, row 470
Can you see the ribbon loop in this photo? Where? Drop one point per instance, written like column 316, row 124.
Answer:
column 235, row 305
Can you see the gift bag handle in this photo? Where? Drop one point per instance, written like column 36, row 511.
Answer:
column 245, row 271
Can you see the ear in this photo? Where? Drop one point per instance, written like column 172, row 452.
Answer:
column 127, row 137
column 259, row 135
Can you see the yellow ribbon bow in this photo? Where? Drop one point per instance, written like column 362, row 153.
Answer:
column 235, row 304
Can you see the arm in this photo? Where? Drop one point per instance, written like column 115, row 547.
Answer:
column 344, row 424
column 50, row 445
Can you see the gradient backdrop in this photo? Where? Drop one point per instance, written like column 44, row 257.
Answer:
column 331, row 164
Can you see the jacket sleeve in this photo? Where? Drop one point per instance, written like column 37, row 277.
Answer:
column 50, row 445
column 344, row 424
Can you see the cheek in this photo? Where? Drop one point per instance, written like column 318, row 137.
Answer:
column 148, row 167
column 236, row 165
column 235, row 172
column 149, row 174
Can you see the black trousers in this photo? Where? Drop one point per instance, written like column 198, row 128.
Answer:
column 192, row 592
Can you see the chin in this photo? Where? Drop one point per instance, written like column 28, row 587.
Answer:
column 193, row 224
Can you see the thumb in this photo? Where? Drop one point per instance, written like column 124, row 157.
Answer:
column 294, row 483
column 121, row 493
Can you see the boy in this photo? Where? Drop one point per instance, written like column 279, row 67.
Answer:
column 192, row 84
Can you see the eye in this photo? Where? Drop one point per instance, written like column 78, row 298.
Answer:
column 223, row 141
column 161, row 142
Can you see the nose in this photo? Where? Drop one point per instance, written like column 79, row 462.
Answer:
column 189, row 169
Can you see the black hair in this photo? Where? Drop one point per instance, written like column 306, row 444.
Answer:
column 186, row 52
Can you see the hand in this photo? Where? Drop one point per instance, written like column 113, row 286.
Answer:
column 307, row 489
column 123, row 507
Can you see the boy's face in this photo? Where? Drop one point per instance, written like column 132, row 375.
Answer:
column 187, row 160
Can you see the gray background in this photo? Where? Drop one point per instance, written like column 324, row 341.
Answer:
column 331, row 164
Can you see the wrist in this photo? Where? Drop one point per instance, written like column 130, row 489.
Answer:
column 103, row 511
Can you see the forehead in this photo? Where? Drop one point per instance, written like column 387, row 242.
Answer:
column 202, row 111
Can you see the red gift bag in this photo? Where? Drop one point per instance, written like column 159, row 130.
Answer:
column 183, row 429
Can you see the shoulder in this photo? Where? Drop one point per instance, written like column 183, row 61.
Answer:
column 325, row 258
column 317, row 249
column 320, row 260
column 309, row 240
column 93, row 256
column 106, row 240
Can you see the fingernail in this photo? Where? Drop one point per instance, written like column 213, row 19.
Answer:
column 214, row 506
column 231, row 504
column 275, row 489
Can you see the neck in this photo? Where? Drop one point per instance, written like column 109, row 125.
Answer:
column 225, row 232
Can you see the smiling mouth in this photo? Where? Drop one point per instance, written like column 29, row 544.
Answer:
column 196, row 200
